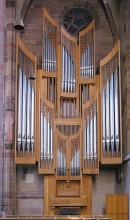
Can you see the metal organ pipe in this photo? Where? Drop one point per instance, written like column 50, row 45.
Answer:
column 28, row 116
column 68, row 72
column 104, row 119
column 116, row 100
column 49, row 53
column 19, row 110
column 32, row 121
column 112, row 124
column 110, row 115
column 86, row 62
column 24, row 113
column 46, row 140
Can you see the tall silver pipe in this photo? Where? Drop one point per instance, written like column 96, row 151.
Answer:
column 81, row 65
column 48, row 139
column 91, row 136
column 112, row 124
column 84, row 64
column 88, row 138
column 63, row 68
column 69, row 76
column 116, row 91
column 95, row 137
column 108, row 117
column 92, row 61
column 88, row 61
column 44, row 52
column 24, row 113
column 19, row 110
column 66, row 70
column 85, row 144
column 32, row 120
column 45, row 49
column 51, row 143
column 104, row 119
column 42, row 130
column 28, row 115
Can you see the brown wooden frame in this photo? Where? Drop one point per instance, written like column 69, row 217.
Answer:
column 114, row 52
column 32, row 57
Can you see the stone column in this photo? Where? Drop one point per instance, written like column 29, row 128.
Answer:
column 9, row 170
column 2, row 37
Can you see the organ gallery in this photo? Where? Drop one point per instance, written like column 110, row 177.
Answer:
column 66, row 134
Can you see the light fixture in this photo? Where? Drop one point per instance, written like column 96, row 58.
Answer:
column 19, row 25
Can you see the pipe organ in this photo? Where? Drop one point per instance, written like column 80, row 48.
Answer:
column 68, row 119
column 25, row 109
column 111, row 107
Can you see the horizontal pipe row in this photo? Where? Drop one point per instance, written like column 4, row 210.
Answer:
column 25, row 141
column 110, row 116
column 87, row 62
column 68, row 129
column 49, row 55
column 68, row 72
column 46, row 149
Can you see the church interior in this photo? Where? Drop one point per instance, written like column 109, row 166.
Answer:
column 65, row 109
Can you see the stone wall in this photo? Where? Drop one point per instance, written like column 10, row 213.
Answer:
column 29, row 191
column 2, row 37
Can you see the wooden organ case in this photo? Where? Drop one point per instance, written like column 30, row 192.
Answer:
column 62, row 115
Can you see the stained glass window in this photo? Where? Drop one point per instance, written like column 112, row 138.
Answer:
column 76, row 19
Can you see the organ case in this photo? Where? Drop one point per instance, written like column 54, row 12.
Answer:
column 72, row 123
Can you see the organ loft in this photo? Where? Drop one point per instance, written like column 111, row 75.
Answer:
column 66, row 133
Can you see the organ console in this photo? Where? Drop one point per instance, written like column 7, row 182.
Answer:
column 69, row 118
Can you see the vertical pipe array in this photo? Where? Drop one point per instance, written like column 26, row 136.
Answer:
column 87, row 62
column 68, row 72
column 46, row 152
column 25, row 141
column 68, row 108
column 110, row 116
column 61, row 162
column 49, row 54
column 90, row 138
column 75, row 162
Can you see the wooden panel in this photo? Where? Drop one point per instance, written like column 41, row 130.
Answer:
column 65, row 189
column 49, row 191
column 117, row 206
column 80, row 201
column 111, row 205
column 123, row 204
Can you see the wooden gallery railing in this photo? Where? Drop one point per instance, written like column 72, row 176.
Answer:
column 69, row 217
column 25, row 138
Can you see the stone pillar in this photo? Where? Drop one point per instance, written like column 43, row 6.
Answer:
column 2, row 37
column 9, row 169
